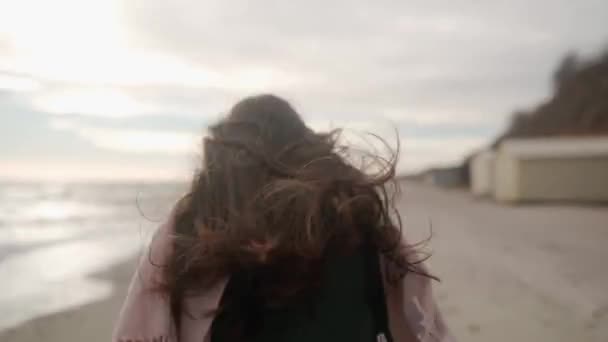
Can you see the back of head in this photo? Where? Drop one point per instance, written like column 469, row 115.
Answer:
column 277, row 122
column 276, row 198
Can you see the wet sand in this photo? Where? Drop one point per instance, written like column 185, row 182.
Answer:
column 92, row 322
column 509, row 273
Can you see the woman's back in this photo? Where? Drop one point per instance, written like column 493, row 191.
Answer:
column 344, row 307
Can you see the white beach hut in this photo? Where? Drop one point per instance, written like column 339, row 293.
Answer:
column 482, row 173
column 545, row 169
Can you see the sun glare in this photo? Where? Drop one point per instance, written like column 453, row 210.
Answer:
column 61, row 26
column 85, row 42
column 85, row 50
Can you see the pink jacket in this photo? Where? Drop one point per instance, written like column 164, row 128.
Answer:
column 146, row 317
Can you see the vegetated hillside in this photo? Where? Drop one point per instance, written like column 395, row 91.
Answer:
column 577, row 107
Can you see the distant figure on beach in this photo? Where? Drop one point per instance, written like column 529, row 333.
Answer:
column 281, row 238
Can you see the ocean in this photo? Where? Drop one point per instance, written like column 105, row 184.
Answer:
column 54, row 237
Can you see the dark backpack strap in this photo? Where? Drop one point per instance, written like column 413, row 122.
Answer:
column 376, row 295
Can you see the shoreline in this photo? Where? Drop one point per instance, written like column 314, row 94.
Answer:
column 91, row 322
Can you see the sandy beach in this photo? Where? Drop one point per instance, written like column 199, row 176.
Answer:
column 509, row 273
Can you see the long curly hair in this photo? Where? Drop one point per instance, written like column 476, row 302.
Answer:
column 276, row 198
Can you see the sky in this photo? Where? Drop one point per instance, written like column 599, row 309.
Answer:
column 108, row 89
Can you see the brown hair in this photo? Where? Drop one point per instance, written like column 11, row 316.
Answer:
column 276, row 197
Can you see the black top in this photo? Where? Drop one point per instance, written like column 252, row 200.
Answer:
column 349, row 306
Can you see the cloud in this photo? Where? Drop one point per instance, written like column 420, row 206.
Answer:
column 17, row 84
column 139, row 80
column 370, row 56
column 28, row 133
column 102, row 102
column 191, row 124
column 134, row 140
column 36, row 145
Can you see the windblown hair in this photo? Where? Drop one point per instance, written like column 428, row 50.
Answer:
column 277, row 198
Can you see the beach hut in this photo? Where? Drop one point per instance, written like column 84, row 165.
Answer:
column 482, row 173
column 447, row 177
column 547, row 169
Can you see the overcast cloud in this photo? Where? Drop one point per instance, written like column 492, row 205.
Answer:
column 119, row 89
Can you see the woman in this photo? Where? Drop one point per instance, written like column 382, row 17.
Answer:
column 280, row 238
